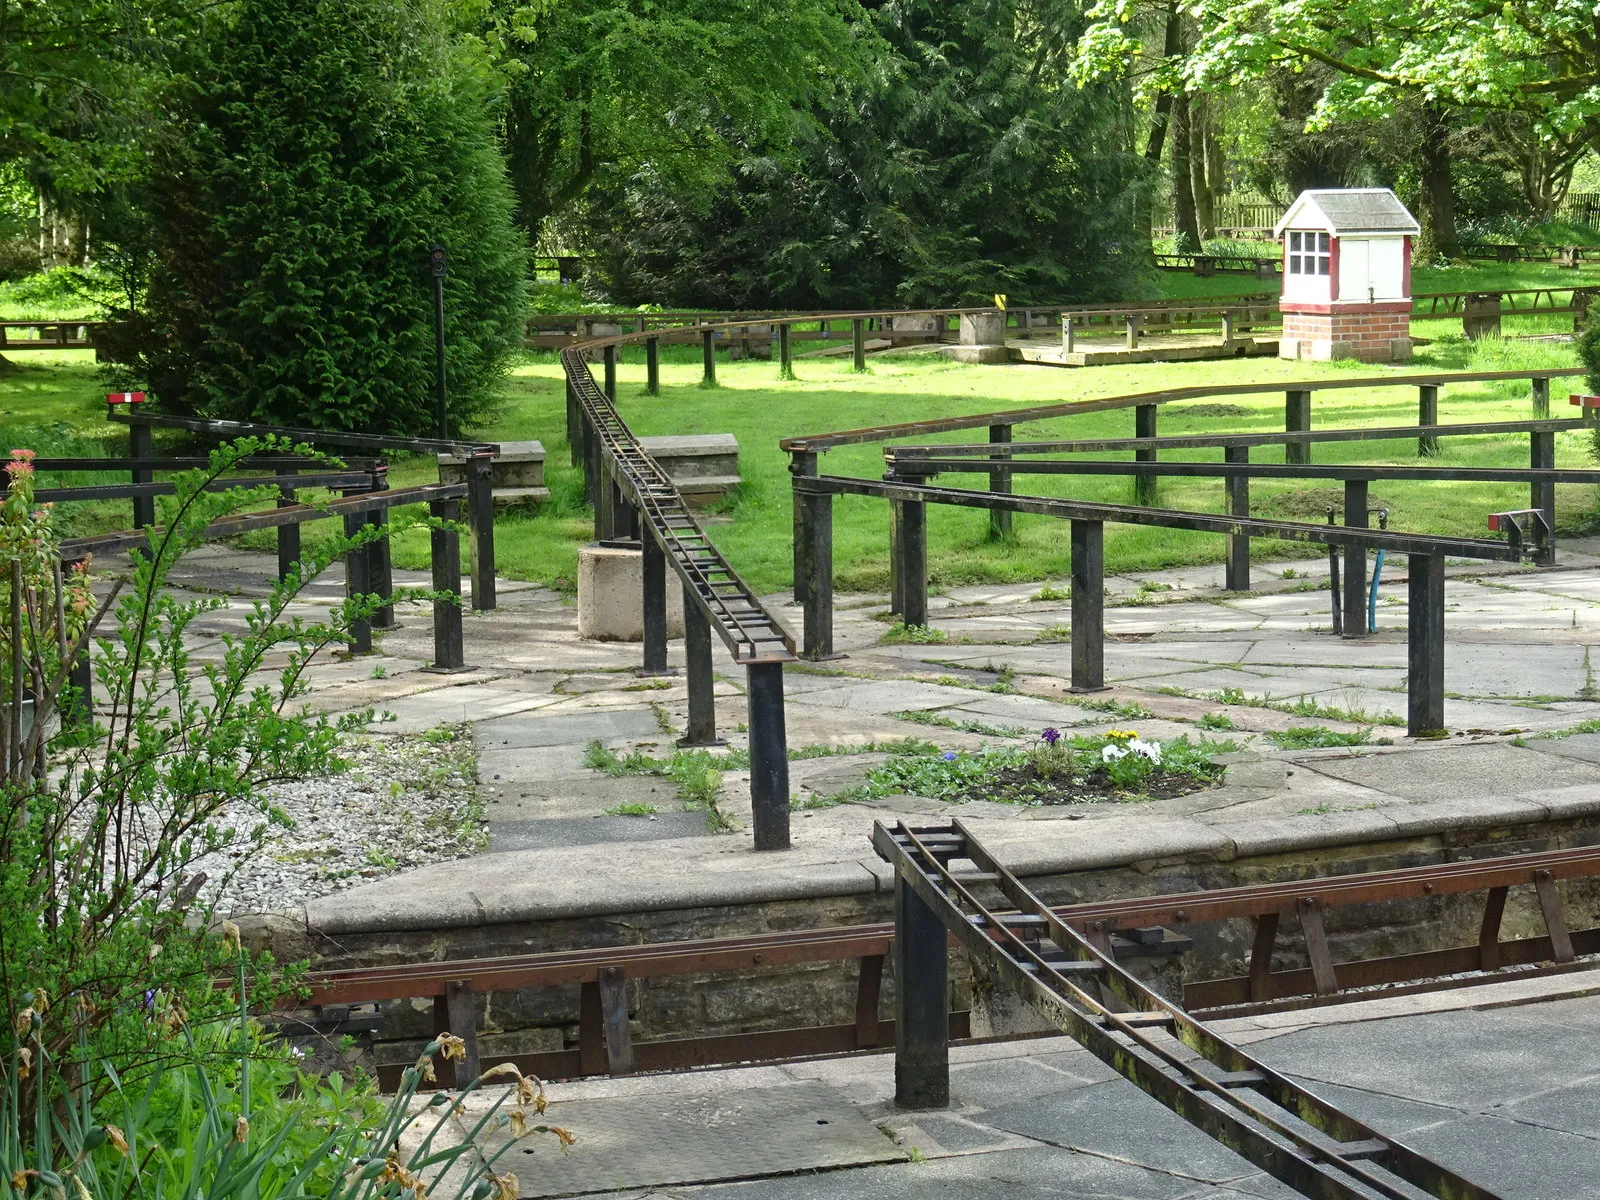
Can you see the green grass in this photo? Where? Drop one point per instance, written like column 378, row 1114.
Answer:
column 1308, row 737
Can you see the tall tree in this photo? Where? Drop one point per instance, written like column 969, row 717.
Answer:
column 317, row 150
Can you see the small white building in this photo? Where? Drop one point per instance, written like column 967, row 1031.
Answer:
column 1347, row 275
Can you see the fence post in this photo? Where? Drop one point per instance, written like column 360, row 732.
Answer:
column 449, row 653
column 1144, row 426
column 913, row 522
column 1541, row 493
column 480, row 508
column 802, row 464
column 609, row 354
column 1355, row 561
column 816, row 553
column 785, row 353
column 702, row 730
column 1236, row 566
column 1088, row 606
column 654, row 572
column 1068, row 335
column 80, row 675
column 708, row 357
column 1425, row 645
column 357, row 581
column 921, row 1002
column 769, row 756
column 652, row 366
column 1297, row 419
column 897, row 594
column 1427, row 414
column 574, row 424
column 1541, row 398
column 288, row 535
column 1000, row 481
column 140, row 446
column 858, row 344
column 591, row 464
column 380, row 565
column 1131, row 320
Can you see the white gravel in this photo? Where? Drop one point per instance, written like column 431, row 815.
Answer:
column 407, row 799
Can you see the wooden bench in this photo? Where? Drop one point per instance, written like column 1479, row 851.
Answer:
column 517, row 474
column 704, row 466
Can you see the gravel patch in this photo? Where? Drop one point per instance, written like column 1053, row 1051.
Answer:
column 406, row 800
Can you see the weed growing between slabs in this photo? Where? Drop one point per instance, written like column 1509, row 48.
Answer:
column 1054, row 769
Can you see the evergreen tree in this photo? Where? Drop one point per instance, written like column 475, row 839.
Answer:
column 314, row 154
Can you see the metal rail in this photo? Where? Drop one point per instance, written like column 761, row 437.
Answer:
column 1283, row 1128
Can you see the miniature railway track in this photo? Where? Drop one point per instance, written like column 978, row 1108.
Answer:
column 1289, row 1132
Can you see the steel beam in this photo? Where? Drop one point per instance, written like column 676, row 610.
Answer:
column 357, row 583
column 1297, row 419
column 654, row 574
column 449, row 653
column 1355, row 561
column 1428, row 415
column 913, row 539
column 1542, row 493
column 801, row 463
column 1425, row 646
column 480, row 507
column 999, row 481
column 288, row 535
column 922, row 1003
column 769, row 756
column 1144, row 426
column 1236, row 560
column 652, row 366
column 702, row 730
column 610, row 356
column 858, row 344
column 708, row 357
column 1088, row 606
column 816, row 541
column 140, row 446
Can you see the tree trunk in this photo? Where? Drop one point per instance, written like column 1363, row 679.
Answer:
column 1200, row 177
column 1438, row 216
column 1160, row 121
column 1183, row 212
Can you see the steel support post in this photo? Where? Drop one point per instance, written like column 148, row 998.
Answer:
column 1427, row 414
column 1541, row 493
column 858, row 344
column 480, row 507
column 449, row 652
column 1088, row 606
column 769, row 756
column 609, row 355
column 897, row 598
column 802, row 464
column 708, row 356
column 921, row 1003
column 357, row 583
column 1000, row 481
column 1355, row 561
column 380, row 567
column 1236, row 565
column 1297, row 419
column 80, row 678
column 652, row 366
column 1144, row 426
column 654, row 573
column 702, row 730
column 1131, row 321
column 785, row 353
column 591, row 463
column 140, row 446
column 1425, row 645
column 914, row 562
column 288, row 535
column 574, row 425
column 817, row 546
column 624, row 517
column 1541, row 399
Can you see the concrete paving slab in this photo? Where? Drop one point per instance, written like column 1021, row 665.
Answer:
column 591, row 831
column 518, row 732
column 1547, row 1165
column 1455, row 772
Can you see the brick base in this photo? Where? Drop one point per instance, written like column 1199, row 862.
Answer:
column 1382, row 336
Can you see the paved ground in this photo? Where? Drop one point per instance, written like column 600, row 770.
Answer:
column 1507, row 1096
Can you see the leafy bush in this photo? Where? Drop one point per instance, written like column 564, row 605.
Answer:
column 320, row 149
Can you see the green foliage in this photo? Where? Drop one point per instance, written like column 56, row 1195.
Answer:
column 317, row 150
column 1588, row 346
column 914, row 635
column 1216, row 720
column 1305, row 737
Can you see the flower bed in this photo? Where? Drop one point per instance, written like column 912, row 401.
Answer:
column 1115, row 766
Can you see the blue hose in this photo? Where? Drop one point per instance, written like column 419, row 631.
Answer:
column 1372, row 600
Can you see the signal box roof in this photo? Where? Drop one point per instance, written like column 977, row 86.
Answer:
column 1341, row 211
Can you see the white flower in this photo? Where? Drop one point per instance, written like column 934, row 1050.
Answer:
column 1112, row 752
column 1151, row 750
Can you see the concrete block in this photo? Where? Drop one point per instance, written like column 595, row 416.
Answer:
column 977, row 354
column 983, row 328
column 914, row 323
column 611, row 596
column 704, row 465
column 516, row 474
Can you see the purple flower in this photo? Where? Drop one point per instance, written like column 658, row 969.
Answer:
column 949, row 756
column 1050, row 736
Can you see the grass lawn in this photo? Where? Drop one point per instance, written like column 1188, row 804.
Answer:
column 53, row 401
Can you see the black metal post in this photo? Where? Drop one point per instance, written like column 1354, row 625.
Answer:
column 1542, row 494
column 1236, row 565
column 1296, row 419
column 379, row 565
column 357, row 583
column 1425, row 645
column 1427, row 414
column 609, row 354
column 438, row 263
column 652, row 366
column 802, row 463
column 921, row 1002
column 140, row 446
column 816, row 534
column 288, row 535
column 708, row 357
column 1541, row 398
column 702, row 730
column 591, row 465
column 914, row 562
column 785, row 353
column 654, row 573
column 769, row 756
column 1000, row 481
column 897, row 594
column 574, row 425
column 449, row 652
column 1355, row 561
column 80, row 678
column 480, row 507
column 1088, row 606
column 1144, row 426
column 858, row 344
